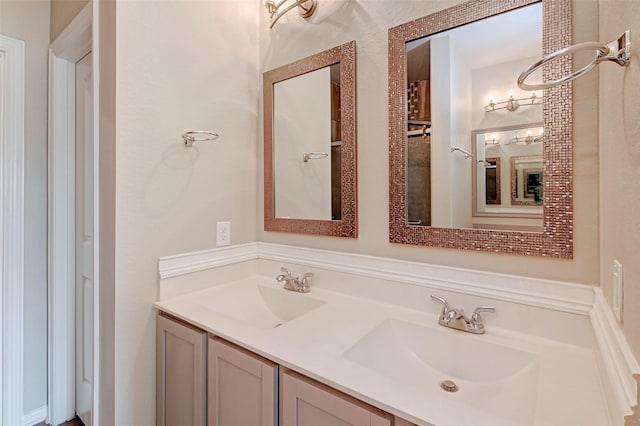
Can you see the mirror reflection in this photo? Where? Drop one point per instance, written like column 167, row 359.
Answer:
column 307, row 147
column 508, row 161
column 460, row 81
column 310, row 166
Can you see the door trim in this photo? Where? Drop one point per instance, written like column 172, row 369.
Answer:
column 12, row 75
column 71, row 45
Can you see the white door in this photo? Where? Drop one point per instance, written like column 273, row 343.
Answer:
column 84, row 240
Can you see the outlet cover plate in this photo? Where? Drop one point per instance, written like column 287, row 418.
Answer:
column 618, row 290
column 223, row 234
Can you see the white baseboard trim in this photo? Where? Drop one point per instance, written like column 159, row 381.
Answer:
column 555, row 295
column 617, row 357
column 180, row 264
column 34, row 417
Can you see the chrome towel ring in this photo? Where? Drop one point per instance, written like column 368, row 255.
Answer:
column 617, row 51
column 313, row 156
column 193, row 136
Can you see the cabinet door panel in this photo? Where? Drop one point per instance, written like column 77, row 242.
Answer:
column 180, row 374
column 306, row 403
column 241, row 387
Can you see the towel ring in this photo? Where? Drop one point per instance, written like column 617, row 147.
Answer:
column 617, row 51
column 192, row 136
column 313, row 156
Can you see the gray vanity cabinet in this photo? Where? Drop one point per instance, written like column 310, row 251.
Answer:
column 181, row 366
column 241, row 386
column 305, row 402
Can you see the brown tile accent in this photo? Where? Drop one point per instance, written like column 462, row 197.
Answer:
column 634, row 419
column 556, row 239
column 348, row 225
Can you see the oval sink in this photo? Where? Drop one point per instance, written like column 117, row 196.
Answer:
column 490, row 376
column 260, row 306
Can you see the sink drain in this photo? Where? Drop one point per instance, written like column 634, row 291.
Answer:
column 278, row 325
column 449, row 386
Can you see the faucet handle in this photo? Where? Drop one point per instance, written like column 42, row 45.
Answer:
column 476, row 319
column 285, row 270
column 445, row 304
column 441, row 300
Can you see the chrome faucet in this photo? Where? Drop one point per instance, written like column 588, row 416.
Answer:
column 301, row 285
column 455, row 318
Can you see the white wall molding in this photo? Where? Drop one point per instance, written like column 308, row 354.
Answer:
column 617, row 357
column 556, row 295
column 173, row 266
column 12, row 108
column 69, row 47
column 36, row 416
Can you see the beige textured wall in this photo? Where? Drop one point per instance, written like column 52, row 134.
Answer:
column 107, row 92
column 29, row 21
column 367, row 22
column 62, row 13
column 620, row 163
column 180, row 65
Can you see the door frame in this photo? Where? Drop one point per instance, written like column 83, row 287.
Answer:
column 77, row 39
column 12, row 108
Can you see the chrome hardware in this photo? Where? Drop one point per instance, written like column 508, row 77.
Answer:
column 455, row 318
column 313, row 156
column 618, row 51
column 294, row 283
column 449, row 386
column 193, row 136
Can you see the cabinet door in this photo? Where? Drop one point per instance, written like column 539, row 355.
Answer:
column 241, row 387
column 180, row 387
column 401, row 422
column 308, row 403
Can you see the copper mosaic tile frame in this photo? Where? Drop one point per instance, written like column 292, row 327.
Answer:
column 556, row 239
column 347, row 227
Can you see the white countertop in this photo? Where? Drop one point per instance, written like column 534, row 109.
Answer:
column 568, row 392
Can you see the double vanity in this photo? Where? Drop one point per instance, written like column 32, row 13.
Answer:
column 250, row 349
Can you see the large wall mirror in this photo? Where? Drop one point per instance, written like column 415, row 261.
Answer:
column 475, row 162
column 310, row 145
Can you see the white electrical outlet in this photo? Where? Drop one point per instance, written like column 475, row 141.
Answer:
column 223, row 233
column 618, row 290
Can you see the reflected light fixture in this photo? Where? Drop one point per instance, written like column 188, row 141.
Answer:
column 528, row 139
column 278, row 8
column 513, row 104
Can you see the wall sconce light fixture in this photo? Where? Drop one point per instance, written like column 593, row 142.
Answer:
column 278, row 8
column 528, row 139
column 513, row 104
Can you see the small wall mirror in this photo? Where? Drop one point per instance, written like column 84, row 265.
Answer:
column 476, row 163
column 310, row 145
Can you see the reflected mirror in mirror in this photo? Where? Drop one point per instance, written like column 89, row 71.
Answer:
column 310, row 145
column 519, row 149
column 474, row 73
column 308, row 148
column 452, row 84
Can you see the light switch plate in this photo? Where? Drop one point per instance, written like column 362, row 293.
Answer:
column 618, row 290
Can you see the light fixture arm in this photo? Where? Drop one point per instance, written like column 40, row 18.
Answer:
column 306, row 8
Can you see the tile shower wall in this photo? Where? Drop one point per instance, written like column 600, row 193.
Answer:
column 367, row 22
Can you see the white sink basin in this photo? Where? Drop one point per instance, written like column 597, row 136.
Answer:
column 260, row 306
column 490, row 376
